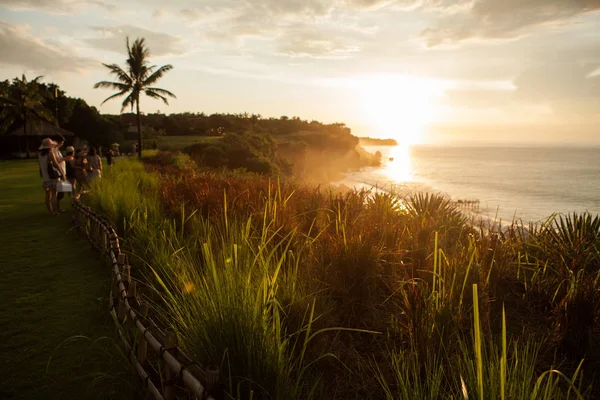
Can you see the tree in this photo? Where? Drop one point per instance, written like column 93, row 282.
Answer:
column 88, row 124
column 22, row 100
column 139, row 77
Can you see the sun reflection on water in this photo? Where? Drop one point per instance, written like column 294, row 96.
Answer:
column 398, row 166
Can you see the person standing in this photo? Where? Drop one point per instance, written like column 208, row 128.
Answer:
column 109, row 157
column 62, row 164
column 95, row 163
column 80, row 169
column 71, row 168
column 50, row 174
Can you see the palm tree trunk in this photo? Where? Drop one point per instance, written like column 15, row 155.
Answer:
column 25, row 134
column 139, row 126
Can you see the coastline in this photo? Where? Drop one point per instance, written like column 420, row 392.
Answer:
column 546, row 181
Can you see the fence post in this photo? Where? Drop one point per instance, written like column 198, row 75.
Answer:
column 97, row 231
column 168, row 374
column 109, row 248
column 96, row 235
column 132, row 298
column 143, row 344
column 104, row 241
column 125, row 276
column 122, row 308
column 132, row 294
column 122, row 259
column 114, row 244
column 212, row 376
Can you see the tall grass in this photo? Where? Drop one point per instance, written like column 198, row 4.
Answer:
column 286, row 287
column 126, row 190
column 483, row 371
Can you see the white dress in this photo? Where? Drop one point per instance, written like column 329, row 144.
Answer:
column 43, row 161
column 95, row 163
column 61, row 161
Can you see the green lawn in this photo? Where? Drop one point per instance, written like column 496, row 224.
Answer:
column 57, row 340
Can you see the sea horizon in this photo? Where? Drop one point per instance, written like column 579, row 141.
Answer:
column 511, row 181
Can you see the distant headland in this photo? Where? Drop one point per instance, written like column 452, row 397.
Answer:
column 367, row 141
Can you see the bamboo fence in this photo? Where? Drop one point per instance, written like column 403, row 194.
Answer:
column 467, row 204
column 167, row 373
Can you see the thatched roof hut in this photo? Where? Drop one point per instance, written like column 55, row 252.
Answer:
column 43, row 129
column 15, row 143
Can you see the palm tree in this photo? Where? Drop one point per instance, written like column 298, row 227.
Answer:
column 137, row 78
column 22, row 100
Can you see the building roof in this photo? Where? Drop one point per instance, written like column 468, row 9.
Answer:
column 40, row 128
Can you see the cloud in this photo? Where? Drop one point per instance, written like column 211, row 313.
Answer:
column 501, row 19
column 368, row 4
column 191, row 14
column 564, row 90
column 56, row 6
column 566, row 86
column 20, row 48
column 477, row 98
column 302, row 42
column 158, row 13
column 295, row 28
column 113, row 39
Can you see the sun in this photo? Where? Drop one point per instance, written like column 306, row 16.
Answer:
column 398, row 107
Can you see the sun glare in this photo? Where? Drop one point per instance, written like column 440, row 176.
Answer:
column 398, row 167
column 398, row 107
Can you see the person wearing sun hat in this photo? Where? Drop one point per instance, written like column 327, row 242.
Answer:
column 62, row 164
column 50, row 173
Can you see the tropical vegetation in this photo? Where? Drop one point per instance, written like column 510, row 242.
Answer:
column 47, row 102
column 299, row 291
column 138, row 77
column 22, row 101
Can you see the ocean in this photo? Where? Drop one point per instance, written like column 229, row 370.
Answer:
column 524, row 183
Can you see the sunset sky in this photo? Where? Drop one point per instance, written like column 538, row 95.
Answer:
column 416, row 70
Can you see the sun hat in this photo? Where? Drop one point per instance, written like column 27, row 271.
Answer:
column 47, row 143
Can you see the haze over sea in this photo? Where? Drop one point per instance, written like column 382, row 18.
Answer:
column 528, row 183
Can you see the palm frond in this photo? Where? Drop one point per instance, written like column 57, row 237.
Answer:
column 128, row 47
column 157, row 74
column 119, row 94
column 43, row 114
column 155, row 95
column 112, row 85
column 129, row 101
column 138, row 59
column 162, row 92
column 7, row 101
column 119, row 73
column 7, row 120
